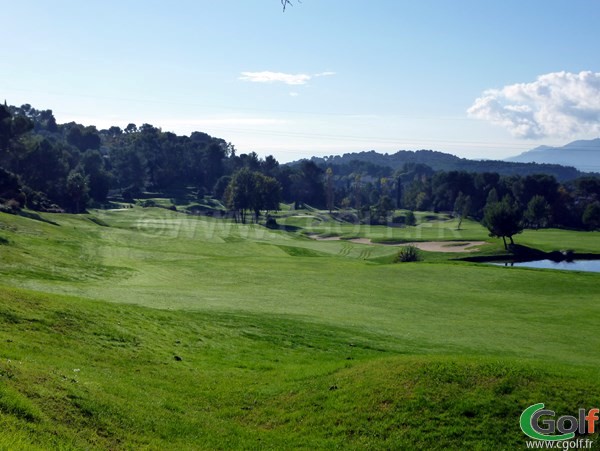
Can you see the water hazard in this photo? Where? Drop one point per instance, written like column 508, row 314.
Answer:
column 574, row 265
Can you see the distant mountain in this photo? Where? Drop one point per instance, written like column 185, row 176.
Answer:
column 584, row 155
column 446, row 162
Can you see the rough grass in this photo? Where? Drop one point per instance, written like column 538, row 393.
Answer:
column 112, row 380
column 281, row 341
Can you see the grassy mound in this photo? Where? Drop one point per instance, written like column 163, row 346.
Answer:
column 81, row 374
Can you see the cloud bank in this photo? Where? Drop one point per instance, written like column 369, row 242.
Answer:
column 559, row 104
column 281, row 77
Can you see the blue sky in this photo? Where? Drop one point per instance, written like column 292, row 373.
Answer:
column 475, row 78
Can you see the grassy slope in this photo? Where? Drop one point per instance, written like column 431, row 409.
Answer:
column 266, row 324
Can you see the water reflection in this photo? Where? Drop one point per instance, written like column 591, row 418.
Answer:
column 573, row 265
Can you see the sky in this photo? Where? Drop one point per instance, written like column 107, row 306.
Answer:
column 477, row 79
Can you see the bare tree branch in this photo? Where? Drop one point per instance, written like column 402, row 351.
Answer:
column 284, row 3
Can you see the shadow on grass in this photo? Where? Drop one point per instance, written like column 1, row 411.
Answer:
column 36, row 217
column 285, row 228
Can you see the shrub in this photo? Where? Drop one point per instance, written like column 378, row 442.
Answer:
column 407, row 254
column 271, row 222
column 410, row 218
column 148, row 203
column 130, row 193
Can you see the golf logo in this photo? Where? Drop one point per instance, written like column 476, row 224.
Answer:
column 541, row 424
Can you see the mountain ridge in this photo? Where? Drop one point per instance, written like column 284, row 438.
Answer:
column 581, row 154
column 447, row 162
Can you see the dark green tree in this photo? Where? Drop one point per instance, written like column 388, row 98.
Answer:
column 99, row 180
column 252, row 191
column 591, row 216
column 383, row 209
column 538, row 212
column 11, row 129
column 307, row 185
column 399, row 192
column 503, row 219
column 410, row 218
column 76, row 192
column 240, row 192
column 329, row 189
column 462, row 208
column 267, row 194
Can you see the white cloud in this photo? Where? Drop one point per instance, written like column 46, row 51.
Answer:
column 281, row 77
column 559, row 104
column 324, row 74
column 294, row 94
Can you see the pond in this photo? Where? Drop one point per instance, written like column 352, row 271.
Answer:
column 575, row 265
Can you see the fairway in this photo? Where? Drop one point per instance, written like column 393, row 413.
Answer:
column 239, row 302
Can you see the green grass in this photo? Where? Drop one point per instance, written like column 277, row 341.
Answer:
column 284, row 341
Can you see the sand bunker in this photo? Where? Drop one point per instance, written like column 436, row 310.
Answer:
column 430, row 246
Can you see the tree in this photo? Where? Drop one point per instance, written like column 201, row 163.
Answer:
column 99, row 180
column 307, row 185
column 239, row 192
column 130, row 168
column 538, row 212
column 399, row 192
column 357, row 192
column 462, row 208
column 77, row 191
column 221, row 186
column 503, row 219
column 267, row 194
column 410, row 218
column 45, row 168
column 249, row 190
column 591, row 216
column 492, row 197
column 384, row 207
column 11, row 129
column 10, row 188
column 329, row 193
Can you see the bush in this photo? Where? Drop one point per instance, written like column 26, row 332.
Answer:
column 271, row 223
column 410, row 218
column 346, row 216
column 148, row 203
column 130, row 193
column 407, row 254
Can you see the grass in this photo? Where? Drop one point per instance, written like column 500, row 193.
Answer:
column 282, row 341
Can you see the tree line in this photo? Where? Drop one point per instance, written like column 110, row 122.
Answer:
column 68, row 167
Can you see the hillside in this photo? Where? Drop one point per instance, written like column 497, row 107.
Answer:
column 145, row 328
column 440, row 161
column 583, row 155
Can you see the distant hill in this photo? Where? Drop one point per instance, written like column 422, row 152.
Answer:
column 583, row 155
column 446, row 162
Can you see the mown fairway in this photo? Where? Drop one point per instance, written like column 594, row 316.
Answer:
column 283, row 341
